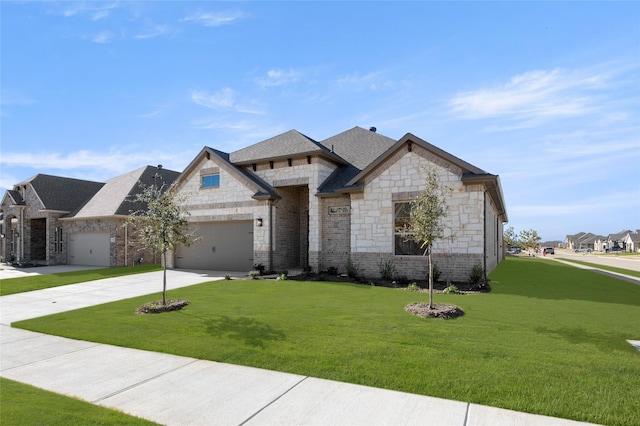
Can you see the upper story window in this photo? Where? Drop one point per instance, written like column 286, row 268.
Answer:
column 210, row 181
column 403, row 244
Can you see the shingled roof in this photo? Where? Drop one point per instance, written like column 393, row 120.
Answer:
column 286, row 145
column 61, row 193
column 358, row 146
column 115, row 197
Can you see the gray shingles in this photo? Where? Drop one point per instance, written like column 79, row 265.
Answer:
column 63, row 194
column 285, row 145
column 358, row 146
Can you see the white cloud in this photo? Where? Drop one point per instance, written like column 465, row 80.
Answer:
column 210, row 19
column 103, row 37
column 152, row 32
column 534, row 95
column 223, row 99
column 94, row 10
column 279, row 78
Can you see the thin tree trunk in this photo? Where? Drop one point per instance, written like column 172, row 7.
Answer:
column 430, row 280
column 164, row 279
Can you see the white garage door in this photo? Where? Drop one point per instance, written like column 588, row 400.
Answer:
column 223, row 246
column 91, row 249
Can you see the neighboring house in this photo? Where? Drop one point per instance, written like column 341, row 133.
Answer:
column 632, row 241
column 57, row 220
column 290, row 202
column 600, row 243
column 581, row 240
column 617, row 240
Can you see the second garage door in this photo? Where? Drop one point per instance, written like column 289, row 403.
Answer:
column 91, row 248
column 223, row 246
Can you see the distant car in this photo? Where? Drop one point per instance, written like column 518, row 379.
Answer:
column 615, row 248
column 549, row 250
column 583, row 250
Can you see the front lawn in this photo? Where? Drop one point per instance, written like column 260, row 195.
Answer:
column 27, row 405
column 549, row 339
column 39, row 282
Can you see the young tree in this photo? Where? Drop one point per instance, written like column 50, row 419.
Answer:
column 529, row 239
column 510, row 237
column 426, row 225
column 161, row 223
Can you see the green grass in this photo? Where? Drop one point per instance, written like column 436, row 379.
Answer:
column 27, row 405
column 549, row 339
column 606, row 268
column 39, row 282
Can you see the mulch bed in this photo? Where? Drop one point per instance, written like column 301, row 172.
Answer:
column 439, row 310
column 158, row 307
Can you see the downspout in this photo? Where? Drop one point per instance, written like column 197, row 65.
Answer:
column 271, row 235
column 484, row 230
column 21, row 234
column 126, row 244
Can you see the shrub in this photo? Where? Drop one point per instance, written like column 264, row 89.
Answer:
column 413, row 287
column 436, row 272
column 332, row 270
column 402, row 280
column 307, row 269
column 352, row 269
column 259, row 267
column 282, row 277
column 450, row 289
column 477, row 274
column 254, row 274
column 387, row 269
column 227, row 277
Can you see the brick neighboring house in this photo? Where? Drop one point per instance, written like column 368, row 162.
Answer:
column 290, row 202
column 56, row 220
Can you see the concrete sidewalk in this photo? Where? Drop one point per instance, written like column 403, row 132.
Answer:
column 176, row 390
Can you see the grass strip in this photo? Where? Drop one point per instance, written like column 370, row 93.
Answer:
column 604, row 267
column 27, row 405
column 549, row 339
column 39, row 282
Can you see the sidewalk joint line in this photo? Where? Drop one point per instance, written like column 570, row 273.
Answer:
column 466, row 415
column 276, row 399
column 148, row 379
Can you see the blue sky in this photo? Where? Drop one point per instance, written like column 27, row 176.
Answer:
column 544, row 94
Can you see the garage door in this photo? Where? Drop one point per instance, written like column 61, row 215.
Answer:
column 223, row 246
column 91, row 249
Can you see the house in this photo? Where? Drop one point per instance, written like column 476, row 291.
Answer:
column 581, row 240
column 632, row 241
column 617, row 240
column 57, row 220
column 291, row 202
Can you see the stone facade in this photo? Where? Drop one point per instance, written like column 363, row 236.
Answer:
column 298, row 204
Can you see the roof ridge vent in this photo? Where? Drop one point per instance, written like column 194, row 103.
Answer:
column 372, row 129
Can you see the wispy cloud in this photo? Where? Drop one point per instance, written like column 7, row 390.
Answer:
column 94, row 10
column 103, row 37
column 223, row 99
column 214, row 19
column 533, row 96
column 277, row 77
column 371, row 81
column 109, row 163
column 152, row 32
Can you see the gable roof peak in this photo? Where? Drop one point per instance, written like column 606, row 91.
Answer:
column 288, row 144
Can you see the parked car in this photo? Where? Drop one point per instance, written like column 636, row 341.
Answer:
column 582, row 250
column 549, row 250
column 614, row 248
